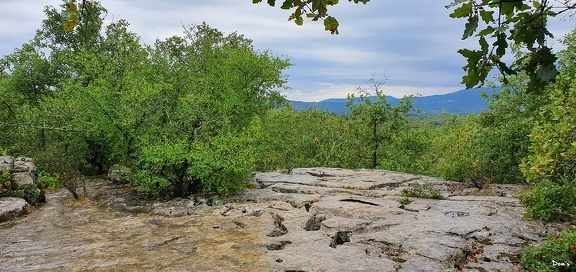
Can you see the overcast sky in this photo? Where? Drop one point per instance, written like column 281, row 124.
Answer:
column 414, row 42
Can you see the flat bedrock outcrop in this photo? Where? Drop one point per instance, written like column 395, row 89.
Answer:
column 351, row 220
column 312, row 219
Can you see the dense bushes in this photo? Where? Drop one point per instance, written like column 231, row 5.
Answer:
column 31, row 193
column 176, row 113
column 549, row 201
column 551, row 165
column 558, row 253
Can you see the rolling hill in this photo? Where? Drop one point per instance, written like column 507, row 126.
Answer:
column 459, row 102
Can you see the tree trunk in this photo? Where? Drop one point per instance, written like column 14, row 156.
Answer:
column 375, row 148
column 74, row 193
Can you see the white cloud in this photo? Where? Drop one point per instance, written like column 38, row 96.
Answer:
column 321, row 92
column 326, row 91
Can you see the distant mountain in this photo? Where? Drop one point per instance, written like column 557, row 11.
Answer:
column 459, row 102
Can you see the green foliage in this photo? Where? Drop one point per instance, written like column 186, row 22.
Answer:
column 63, row 158
column 168, row 170
column 6, row 183
column 375, row 122
column 553, row 149
column 425, row 190
column 147, row 183
column 223, row 165
column 287, row 139
column 549, row 201
column 484, row 148
column 451, row 149
column 404, row 201
column 31, row 193
column 176, row 113
column 49, row 181
column 522, row 23
column 551, row 164
column 409, row 151
column 194, row 138
column 559, row 248
column 312, row 9
column 500, row 139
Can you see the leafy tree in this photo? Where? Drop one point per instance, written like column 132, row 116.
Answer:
column 56, row 34
column 28, row 76
column 450, row 155
column 500, row 139
column 306, row 138
column 177, row 112
column 215, row 85
column 375, row 121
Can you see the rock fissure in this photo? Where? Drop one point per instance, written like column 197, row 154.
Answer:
column 278, row 246
column 279, row 228
column 359, row 201
column 320, row 174
column 340, row 238
column 314, row 223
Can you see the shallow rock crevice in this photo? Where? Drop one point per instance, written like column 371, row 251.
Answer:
column 279, row 228
column 339, row 238
column 314, row 223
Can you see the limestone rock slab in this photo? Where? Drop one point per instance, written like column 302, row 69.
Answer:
column 11, row 207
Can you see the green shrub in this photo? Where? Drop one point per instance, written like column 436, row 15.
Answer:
column 500, row 139
column 425, row 190
column 31, row 193
column 557, row 254
column 450, row 150
column 178, row 169
column 550, row 201
column 409, row 152
column 49, row 181
column 223, row 165
column 148, row 184
column 404, row 201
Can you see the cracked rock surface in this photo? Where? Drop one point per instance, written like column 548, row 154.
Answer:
column 313, row 219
